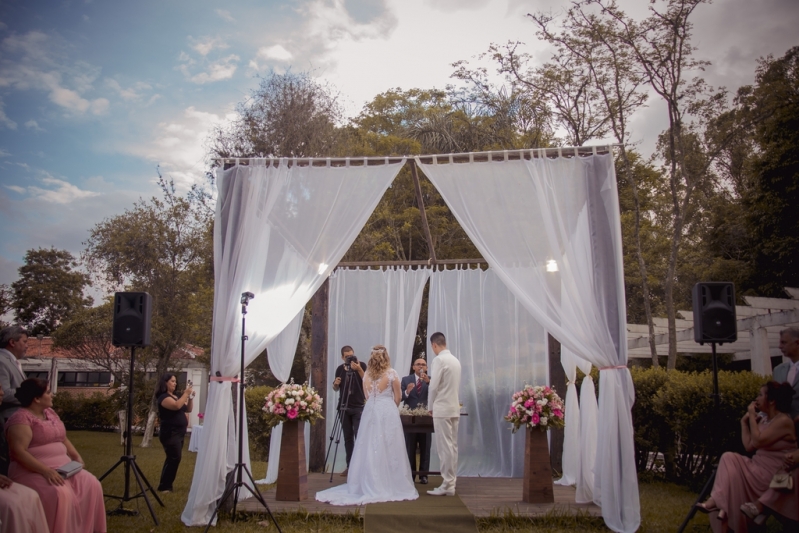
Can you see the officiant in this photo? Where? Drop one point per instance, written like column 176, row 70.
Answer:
column 349, row 384
column 414, row 394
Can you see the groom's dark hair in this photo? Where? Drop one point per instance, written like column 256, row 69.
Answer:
column 438, row 338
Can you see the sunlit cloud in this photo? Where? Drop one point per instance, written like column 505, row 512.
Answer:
column 225, row 15
column 33, row 125
column 219, row 70
column 54, row 190
column 205, row 45
column 4, row 120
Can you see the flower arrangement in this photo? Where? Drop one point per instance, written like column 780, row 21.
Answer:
column 536, row 407
column 419, row 410
column 293, row 402
column 201, row 416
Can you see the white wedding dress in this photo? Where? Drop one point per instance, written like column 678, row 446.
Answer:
column 379, row 470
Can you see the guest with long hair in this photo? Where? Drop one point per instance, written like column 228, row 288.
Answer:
column 37, row 440
column 172, row 411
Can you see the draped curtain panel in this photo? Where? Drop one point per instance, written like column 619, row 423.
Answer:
column 551, row 230
column 279, row 232
column 369, row 307
column 500, row 347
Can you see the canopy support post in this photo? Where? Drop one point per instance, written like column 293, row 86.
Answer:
column 320, row 305
column 422, row 212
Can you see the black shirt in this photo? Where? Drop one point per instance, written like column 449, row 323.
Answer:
column 169, row 417
column 356, row 398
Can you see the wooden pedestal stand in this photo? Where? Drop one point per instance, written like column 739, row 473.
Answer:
column 292, row 476
column 537, row 486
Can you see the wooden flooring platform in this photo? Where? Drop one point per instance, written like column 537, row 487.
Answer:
column 483, row 496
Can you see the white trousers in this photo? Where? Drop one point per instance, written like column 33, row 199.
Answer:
column 446, row 439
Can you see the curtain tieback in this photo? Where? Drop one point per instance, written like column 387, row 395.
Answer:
column 613, row 367
column 225, row 378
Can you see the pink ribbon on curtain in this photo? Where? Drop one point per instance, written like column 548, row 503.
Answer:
column 613, row 367
column 225, row 378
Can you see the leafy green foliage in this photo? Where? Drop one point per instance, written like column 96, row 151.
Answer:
column 258, row 426
column 97, row 412
column 48, row 290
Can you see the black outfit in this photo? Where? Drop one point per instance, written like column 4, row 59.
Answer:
column 424, row 440
column 171, row 435
column 352, row 411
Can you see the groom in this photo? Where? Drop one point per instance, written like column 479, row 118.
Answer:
column 445, row 409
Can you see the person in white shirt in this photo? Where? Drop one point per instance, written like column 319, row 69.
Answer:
column 445, row 408
column 789, row 371
column 13, row 346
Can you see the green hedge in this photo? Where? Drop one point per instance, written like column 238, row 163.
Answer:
column 674, row 414
column 97, row 412
column 257, row 426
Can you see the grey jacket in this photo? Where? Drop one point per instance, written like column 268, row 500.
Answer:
column 780, row 375
column 10, row 379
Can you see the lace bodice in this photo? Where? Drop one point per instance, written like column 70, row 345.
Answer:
column 383, row 386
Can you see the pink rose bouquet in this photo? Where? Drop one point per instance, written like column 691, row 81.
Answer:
column 536, row 407
column 293, row 402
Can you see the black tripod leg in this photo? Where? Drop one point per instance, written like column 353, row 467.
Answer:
column 257, row 493
column 138, row 473
column 144, row 492
column 121, row 460
column 705, row 491
column 222, row 500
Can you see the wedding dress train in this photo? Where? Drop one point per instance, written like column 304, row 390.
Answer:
column 379, row 469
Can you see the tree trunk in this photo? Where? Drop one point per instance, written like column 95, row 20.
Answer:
column 148, row 429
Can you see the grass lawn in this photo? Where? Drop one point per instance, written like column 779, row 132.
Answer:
column 663, row 506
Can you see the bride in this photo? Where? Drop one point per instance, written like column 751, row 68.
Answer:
column 379, row 469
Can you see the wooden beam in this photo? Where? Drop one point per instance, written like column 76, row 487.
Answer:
column 771, row 303
column 422, row 211
column 319, row 318
column 793, row 292
column 557, row 379
column 475, row 261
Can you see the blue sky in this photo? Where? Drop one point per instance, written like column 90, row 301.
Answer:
column 95, row 94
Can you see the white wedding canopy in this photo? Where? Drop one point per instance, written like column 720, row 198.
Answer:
column 279, row 232
column 369, row 307
column 551, row 230
column 500, row 347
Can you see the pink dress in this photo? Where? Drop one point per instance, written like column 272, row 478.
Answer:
column 75, row 507
column 740, row 479
column 21, row 510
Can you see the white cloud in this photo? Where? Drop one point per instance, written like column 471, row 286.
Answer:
column 16, row 188
column 36, row 60
column 61, row 192
column 275, row 52
column 33, row 125
column 178, row 145
column 206, row 45
column 4, row 120
column 4, row 153
column 221, row 69
column 225, row 15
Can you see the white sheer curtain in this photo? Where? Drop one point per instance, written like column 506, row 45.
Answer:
column 281, row 351
column 500, row 347
column 529, row 218
column 280, row 230
column 369, row 307
column 571, row 438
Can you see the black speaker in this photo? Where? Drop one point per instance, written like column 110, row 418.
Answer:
column 714, row 313
column 131, row 319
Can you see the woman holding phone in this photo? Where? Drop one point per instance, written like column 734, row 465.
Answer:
column 172, row 411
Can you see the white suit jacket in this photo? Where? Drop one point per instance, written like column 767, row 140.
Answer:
column 10, row 379
column 445, row 383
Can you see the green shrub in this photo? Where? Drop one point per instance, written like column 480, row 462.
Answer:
column 674, row 414
column 257, row 426
column 97, row 412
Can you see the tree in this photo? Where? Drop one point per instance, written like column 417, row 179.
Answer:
column 163, row 247
column 770, row 202
column 5, row 302
column 289, row 115
column 48, row 290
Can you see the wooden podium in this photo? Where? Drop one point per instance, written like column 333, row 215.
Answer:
column 292, row 476
column 538, row 487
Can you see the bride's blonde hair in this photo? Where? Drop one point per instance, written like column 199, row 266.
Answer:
column 379, row 362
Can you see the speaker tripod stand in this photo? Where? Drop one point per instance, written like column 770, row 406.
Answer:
column 129, row 462
column 241, row 468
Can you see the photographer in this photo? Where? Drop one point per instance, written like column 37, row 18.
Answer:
column 349, row 379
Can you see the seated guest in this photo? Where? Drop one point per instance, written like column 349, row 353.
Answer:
column 38, row 443
column 741, row 479
column 783, row 503
column 789, row 370
column 414, row 394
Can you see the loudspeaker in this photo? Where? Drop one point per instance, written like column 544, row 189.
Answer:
column 714, row 313
column 131, row 319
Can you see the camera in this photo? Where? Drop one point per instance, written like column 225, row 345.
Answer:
column 351, row 359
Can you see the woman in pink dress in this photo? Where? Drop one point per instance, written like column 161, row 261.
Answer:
column 741, row 479
column 38, row 444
